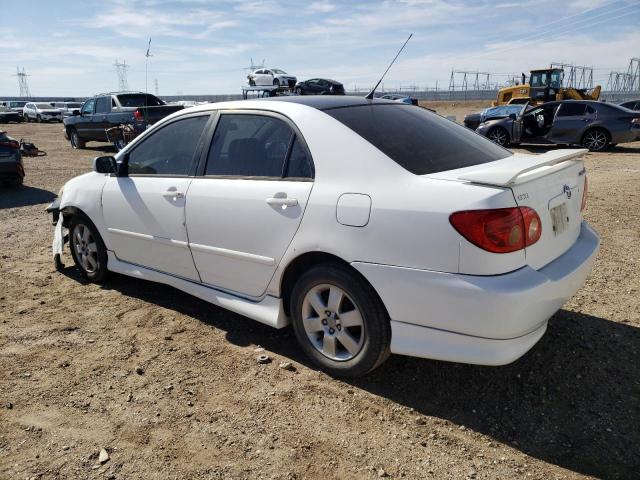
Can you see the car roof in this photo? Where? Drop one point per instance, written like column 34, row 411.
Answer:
column 327, row 102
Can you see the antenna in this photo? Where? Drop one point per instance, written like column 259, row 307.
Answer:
column 146, row 66
column 370, row 94
column 22, row 83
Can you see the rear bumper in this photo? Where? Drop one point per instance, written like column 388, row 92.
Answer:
column 11, row 170
column 490, row 320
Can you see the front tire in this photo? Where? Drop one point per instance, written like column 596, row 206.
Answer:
column 299, row 91
column 499, row 135
column 339, row 321
column 76, row 141
column 596, row 140
column 276, row 82
column 39, row 119
column 87, row 249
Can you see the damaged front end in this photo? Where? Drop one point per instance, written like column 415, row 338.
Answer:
column 60, row 232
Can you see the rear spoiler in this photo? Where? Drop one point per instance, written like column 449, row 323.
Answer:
column 519, row 168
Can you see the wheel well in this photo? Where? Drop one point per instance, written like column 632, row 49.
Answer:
column 303, row 263
column 70, row 211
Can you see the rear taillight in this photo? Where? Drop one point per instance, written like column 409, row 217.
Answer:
column 635, row 121
column 584, row 194
column 499, row 230
column 138, row 115
column 11, row 144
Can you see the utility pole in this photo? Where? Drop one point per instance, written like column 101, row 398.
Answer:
column 121, row 69
column 23, row 86
column 155, row 81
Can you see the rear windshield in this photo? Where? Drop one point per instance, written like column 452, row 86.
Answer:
column 139, row 100
column 417, row 139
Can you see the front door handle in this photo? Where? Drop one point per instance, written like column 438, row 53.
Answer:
column 173, row 193
column 285, row 202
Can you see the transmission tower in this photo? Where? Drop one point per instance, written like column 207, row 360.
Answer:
column 155, row 82
column 121, row 69
column 576, row 76
column 22, row 83
column 628, row 81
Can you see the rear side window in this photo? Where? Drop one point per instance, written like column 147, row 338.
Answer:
column 571, row 109
column 101, row 105
column 170, row 150
column 249, row 146
column 417, row 139
column 299, row 165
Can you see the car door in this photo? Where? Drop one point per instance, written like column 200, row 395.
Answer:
column 99, row 122
column 144, row 211
column 261, row 78
column 571, row 119
column 243, row 212
column 83, row 125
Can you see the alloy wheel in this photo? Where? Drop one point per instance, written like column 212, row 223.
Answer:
column 498, row 136
column 85, row 248
column 333, row 323
column 595, row 140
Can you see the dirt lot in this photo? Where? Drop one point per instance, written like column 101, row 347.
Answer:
column 201, row 406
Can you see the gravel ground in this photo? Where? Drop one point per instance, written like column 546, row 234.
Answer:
column 169, row 386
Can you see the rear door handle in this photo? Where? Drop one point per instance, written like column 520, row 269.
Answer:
column 173, row 193
column 285, row 202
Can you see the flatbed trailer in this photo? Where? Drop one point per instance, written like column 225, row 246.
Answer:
column 263, row 90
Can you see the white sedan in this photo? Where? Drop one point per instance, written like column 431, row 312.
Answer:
column 373, row 227
column 272, row 77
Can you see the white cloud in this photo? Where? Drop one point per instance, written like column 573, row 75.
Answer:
column 321, row 7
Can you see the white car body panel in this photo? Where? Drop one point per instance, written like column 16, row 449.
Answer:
column 447, row 298
column 238, row 237
column 145, row 220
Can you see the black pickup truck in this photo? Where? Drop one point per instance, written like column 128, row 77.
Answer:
column 135, row 110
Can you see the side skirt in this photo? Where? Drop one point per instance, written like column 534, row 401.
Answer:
column 268, row 311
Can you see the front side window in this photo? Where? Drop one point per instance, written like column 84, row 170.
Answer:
column 572, row 110
column 169, row 150
column 87, row 108
column 418, row 140
column 249, row 146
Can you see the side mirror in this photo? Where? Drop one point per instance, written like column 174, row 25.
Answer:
column 75, row 113
column 105, row 164
column 512, row 116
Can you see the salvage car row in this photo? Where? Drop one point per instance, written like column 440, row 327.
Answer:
column 592, row 124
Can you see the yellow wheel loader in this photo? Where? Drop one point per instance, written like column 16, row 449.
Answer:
column 545, row 85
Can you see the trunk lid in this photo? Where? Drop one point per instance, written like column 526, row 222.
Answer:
column 552, row 184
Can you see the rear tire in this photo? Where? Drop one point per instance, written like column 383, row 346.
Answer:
column 339, row 321
column 76, row 141
column 87, row 249
column 499, row 135
column 596, row 140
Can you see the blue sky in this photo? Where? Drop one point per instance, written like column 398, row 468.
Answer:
column 200, row 47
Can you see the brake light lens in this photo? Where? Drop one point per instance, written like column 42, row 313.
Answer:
column 10, row 144
column 584, row 194
column 138, row 115
column 499, row 230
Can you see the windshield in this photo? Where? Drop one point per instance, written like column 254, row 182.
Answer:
column 139, row 100
column 278, row 71
column 74, row 104
column 43, row 106
column 502, row 111
column 418, row 140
